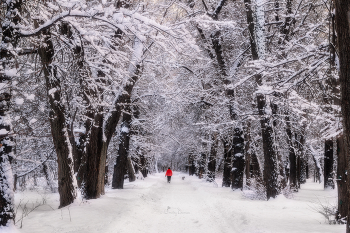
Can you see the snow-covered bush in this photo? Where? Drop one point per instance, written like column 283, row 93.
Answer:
column 255, row 190
column 328, row 210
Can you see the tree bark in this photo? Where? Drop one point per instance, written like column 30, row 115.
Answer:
column 342, row 21
column 216, row 45
column 131, row 170
column 94, row 160
column 123, row 104
column 144, row 169
column 251, row 28
column 59, row 130
column 252, row 167
column 226, row 179
column 9, row 38
column 342, row 161
column 122, row 158
column 281, row 166
column 238, row 160
column 256, row 30
column 191, row 165
column 293, row 182
column 302, row 163
column 270, row 159
column 328, row 164
column 247, row 139
column 212, row 157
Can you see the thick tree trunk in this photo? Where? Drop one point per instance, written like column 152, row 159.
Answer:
column 342, row 22
column 226, row 179
column 123, row 104
column 251, row 28
column 252, row 167
column 94, row 160
column 281, row 165
column 238, row 160
column 256, row 30
column 238, row 141
column 82, row 72
column 270, row 159
column 342, row 161
column 286, row 26
column 328, row 164
column 96, row 151
column 216, row 45
column 11, row 10
column 122, row 158
column 59, row 130
column 212, row 157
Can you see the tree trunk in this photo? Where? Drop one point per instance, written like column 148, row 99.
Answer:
column 143, row 166
column 212, row 157
column 302, row 163
column 342, row 161
column 257, row 41
column 131, row 170
column 342, row 22
column 122, row 158
column 59, row 131
column 328, row 164
column 226, row 179
column 123, row 104
column 238, row 160
column 82, row 71
column 254, row 167
column 136, row 162
column 293, row 182
column 202, row 165
column 238, row 141
column 286, row 26
column 11, row 10
column 94, row 160
column 216, row 45
column 281, row 166
column 191, row 166
column 96, row 150
column 47, row 174
column 317, row 174
column 270, row 159
column 251, row 28
column 247, row 139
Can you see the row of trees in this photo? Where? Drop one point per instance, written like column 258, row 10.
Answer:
column 80, row 61
column 247, row 88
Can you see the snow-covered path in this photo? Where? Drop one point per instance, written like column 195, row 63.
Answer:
column 191, row 205
column 175, row 207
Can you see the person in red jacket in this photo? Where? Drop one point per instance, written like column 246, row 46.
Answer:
column 169, row 173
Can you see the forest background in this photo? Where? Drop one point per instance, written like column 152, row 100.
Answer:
column 254, row 90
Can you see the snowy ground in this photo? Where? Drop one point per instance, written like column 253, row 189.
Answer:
column 191, row 205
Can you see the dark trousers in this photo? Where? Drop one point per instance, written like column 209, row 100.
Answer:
column 169, row 178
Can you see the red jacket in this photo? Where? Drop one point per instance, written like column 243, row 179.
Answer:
column 168, row 173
